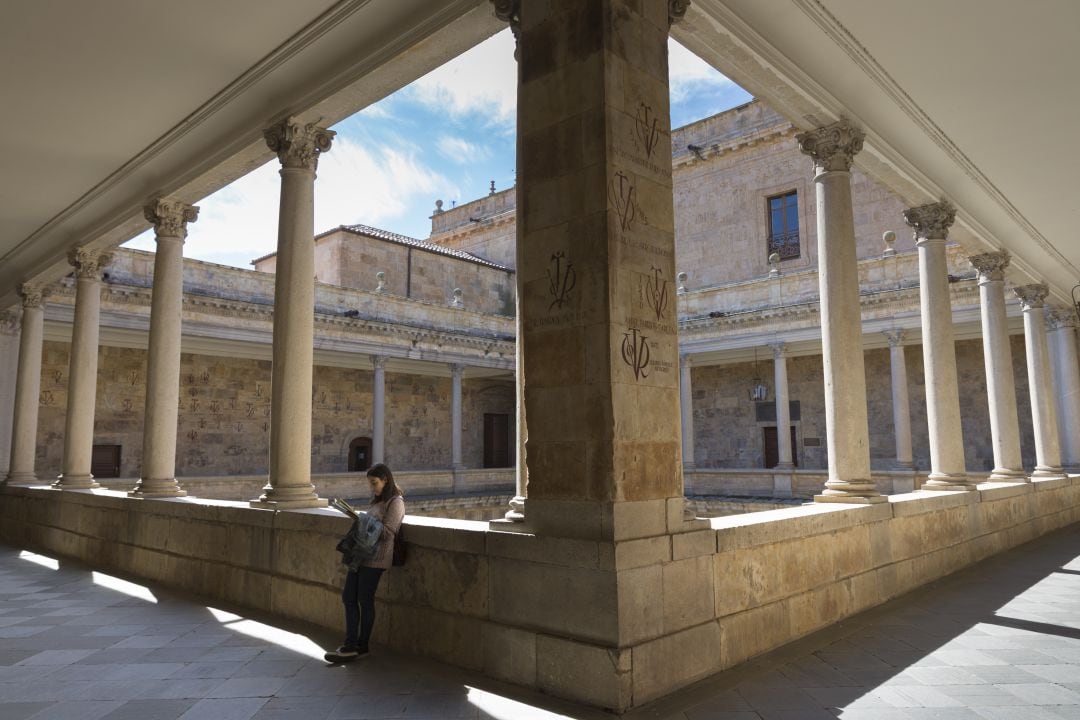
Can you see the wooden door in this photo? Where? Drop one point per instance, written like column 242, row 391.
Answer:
column 496, row 440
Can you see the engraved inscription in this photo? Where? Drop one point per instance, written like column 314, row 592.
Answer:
column 561, row 280
column 622, row 198
column 646, row 129
column 653, row 293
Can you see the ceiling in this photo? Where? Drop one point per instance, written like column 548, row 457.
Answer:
column 110, row 102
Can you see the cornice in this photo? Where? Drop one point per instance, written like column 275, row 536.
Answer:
column 719, row 149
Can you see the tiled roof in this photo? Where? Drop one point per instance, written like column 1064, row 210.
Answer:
column 381, row 234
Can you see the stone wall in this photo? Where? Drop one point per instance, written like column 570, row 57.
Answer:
column 225, row 414
column 638, row 618
column 727, row 435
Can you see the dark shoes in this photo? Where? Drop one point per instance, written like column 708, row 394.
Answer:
column 345, row 653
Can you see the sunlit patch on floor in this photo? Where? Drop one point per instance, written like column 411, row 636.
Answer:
column 123, row 586
column 51, row 563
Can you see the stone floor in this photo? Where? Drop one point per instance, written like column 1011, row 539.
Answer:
column 1000, row 641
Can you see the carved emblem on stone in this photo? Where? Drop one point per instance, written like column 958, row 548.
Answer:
column 622, row 193
column 561, row 279
column 832, row 147
column 646, row 129
column 990, row 266
column 298, row 145
column 1032, row 296
column 170, row 217
column 931, row 221
column 653, row 292
column 635, row 353
column 88, row 263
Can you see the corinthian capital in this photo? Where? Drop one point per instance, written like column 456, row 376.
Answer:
column 509, row 11
column 676, row 10
column 170, row 217
column 895, row 336
column 88, row 263
column 832, row 147
column 32, row 294
column 1032, row 296
column 931, row 221
column 298, row 145
column 990, row 266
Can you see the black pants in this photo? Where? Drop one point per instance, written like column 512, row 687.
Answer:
column 359, row 599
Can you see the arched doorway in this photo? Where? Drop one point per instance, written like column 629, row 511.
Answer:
column 360, row 454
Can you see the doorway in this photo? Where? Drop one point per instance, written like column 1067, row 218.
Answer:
column 496, row 440
column 772, row 447
column 360, row 454
column 105, row 461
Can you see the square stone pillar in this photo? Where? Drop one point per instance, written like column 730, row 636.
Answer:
column 599, row 333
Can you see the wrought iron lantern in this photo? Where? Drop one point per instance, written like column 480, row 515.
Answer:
column 758, row 390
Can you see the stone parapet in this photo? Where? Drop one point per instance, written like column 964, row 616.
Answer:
column 635, row 619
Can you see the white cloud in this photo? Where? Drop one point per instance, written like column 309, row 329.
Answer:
column 355, row 185
column 483, row 80
column 687, row 73
column 461, row 151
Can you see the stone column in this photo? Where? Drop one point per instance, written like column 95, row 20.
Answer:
column 847, row 431
column 298, row 147
column 599, row 330
column 947, row 470
column 1066, row 372
column 10, row 323
column 997, row 357
column 1043, row 404
column 456, row 372
column 82, row 370
column 783, row 407
column 901, row 405
column 686, row 405
column 378, row 410
column 158, row 477
column 28, row 387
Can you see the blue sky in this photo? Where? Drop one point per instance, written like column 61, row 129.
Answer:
column 445, row 136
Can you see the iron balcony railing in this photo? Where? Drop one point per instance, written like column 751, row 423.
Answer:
column 786, row 245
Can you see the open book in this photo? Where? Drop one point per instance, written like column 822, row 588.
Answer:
column 344, row 508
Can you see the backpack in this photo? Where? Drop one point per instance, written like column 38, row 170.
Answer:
column 361, row 543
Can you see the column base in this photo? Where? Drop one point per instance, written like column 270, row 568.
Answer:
column 784, row 467
column 903, row 465
column 76, row 482
column 1008, row 475
column 158, row 489
column 516, row 513
column 288, row 498
column 1048, row 473
column 22, row 478
column 948, row 482
column 862, row 492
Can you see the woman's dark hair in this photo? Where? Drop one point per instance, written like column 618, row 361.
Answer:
column 390, row 489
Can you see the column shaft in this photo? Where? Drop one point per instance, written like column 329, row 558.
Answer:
column 686, row 406
column 847, row 430
column 455, row 415
column 901, row 403
column 947, row 467
column 27, row 389
column 378, row 410
column 82, row 372
column 289, row 486
column 1043, row 406
column 1066, row 372
column 158, row 477
column 997, row 357
column 783, row 408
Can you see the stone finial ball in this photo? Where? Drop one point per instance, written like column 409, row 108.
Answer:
column 773, row 258
column 889, row 237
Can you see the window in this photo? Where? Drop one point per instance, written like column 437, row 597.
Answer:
column 784, row 225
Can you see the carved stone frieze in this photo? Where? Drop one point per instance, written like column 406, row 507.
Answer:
column 88, row 262
column 298, row 145
column 991, row 266
column 1032, row 296
column 10, row 322
column 32, row 294
column 1061, row 317
column 676, row 10
column 895, row 336
column 833, row 147
column 931, row 221
column 170, row 217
